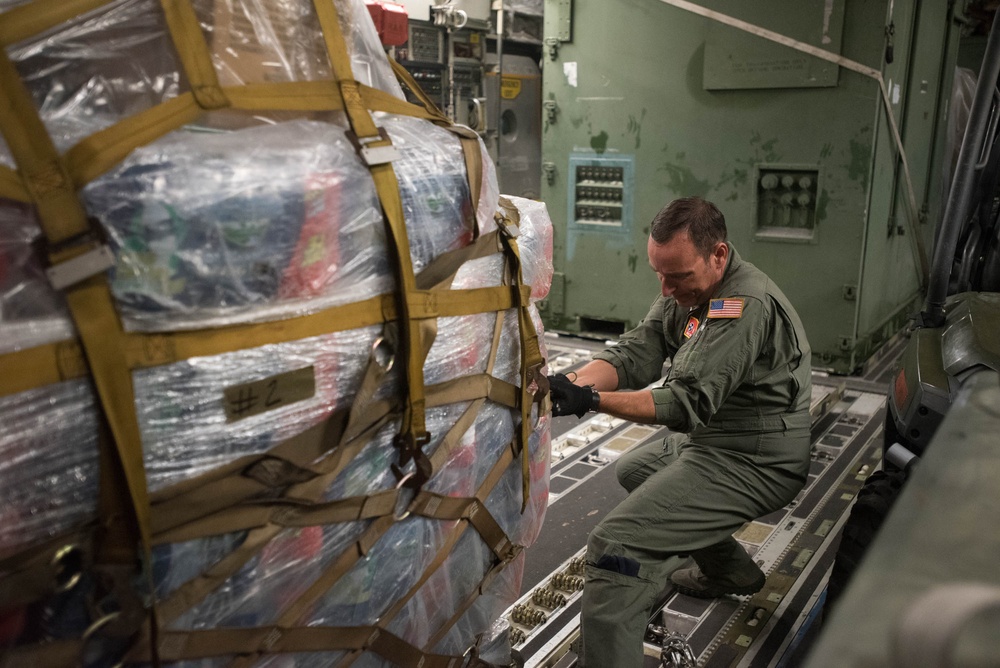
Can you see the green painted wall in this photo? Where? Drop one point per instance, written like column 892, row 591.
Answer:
column 631, row 83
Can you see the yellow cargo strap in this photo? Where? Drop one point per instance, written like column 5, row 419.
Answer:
column 531, row 356
column 413, row 432
column 55, row 362
column 65, row 225
column 468, row 138
column 196, row 58
column 50, row 182
column 123, row 497
column 11, row 186
column 99, row 152
column 464, row 606
column 424, row 504
column 42, row 172
column 407, row 79
column 187, row 645
column 192, row 509
column 29, row 20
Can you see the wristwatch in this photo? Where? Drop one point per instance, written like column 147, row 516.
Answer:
column 595, row 400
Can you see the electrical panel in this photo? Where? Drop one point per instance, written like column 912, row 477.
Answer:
column 601, row 192
column 426, row 44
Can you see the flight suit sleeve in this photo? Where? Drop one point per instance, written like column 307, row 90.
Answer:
column 639, row 354
column 710, row 366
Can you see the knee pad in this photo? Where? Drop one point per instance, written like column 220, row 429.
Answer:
column 619, row 564
column 604, row 551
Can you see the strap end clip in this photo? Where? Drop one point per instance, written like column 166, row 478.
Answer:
column 374, row 155
column 80, row 268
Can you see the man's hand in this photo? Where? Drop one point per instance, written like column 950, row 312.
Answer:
column 567, row 398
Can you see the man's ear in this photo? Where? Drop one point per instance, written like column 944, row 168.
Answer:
column 720, row 253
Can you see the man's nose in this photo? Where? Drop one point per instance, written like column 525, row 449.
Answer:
column 666, row 289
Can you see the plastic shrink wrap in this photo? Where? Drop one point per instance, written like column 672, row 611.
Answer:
column 248, row 218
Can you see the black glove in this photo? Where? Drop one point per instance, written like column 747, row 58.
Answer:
column 569, row 399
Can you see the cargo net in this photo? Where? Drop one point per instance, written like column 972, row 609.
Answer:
column 291, row 422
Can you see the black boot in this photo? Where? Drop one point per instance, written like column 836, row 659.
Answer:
column 723, row 569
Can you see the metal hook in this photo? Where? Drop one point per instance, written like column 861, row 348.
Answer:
column 386, row 365
column 100, row 624
column 59, row 562
column 399, row 485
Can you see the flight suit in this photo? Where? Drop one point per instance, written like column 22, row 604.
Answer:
column 737, row 398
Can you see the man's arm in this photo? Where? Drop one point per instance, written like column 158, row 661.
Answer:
column 575, row 397
column 600, row 375
column 603, row 377
column 636, row 406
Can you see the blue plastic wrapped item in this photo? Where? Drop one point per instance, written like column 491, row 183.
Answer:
column 270, row 216
column 32, row 313
column 118, row 60
column 182, row 416
column 494, row 645
column 206, row 232
column 433, row 186
column 48, row 463
column 266, row 584
column 253, row 42
column 98, row 69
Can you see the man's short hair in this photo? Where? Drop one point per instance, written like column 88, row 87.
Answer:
column 703, row 221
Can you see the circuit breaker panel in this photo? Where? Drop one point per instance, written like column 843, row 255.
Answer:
column 600, row 192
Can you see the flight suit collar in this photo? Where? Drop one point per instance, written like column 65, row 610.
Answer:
column 733, row 263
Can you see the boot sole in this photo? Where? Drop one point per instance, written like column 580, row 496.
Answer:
column 719, row 592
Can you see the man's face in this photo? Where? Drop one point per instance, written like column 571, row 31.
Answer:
column 685, row 274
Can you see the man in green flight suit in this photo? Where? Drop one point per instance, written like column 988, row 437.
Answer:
column 736, row 398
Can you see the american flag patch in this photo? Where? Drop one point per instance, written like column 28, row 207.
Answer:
column 691, row 328
column 725, row 308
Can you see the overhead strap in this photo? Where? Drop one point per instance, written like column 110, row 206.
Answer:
column 919, row 250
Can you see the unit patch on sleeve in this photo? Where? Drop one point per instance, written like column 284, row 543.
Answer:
column 691, row 327
column 725, row 308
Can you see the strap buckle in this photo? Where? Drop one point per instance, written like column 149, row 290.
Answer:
column 509, row 229
column 374, row 155
column 79, row 268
